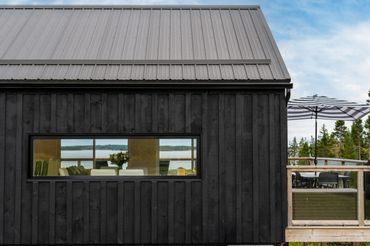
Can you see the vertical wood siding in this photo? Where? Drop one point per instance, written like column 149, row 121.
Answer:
column 240, row 197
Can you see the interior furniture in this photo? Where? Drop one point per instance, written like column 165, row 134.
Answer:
column 103, row 172
column 63, row 172
column 131, row 172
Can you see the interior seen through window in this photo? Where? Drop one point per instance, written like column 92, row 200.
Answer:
column 126, row 156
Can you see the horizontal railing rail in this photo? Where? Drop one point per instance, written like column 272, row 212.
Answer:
column 326, row 160
column 360, row 199
column 327, row 168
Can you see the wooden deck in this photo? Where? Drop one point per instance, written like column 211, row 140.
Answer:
column 327, row 234
column 328, row 214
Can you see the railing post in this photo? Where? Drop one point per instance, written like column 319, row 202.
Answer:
column 290, row 197
column 360, row 198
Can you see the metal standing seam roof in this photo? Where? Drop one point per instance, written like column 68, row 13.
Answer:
column 125, row 43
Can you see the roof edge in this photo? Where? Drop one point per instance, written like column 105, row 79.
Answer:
column 196, row 84
column 158, row 6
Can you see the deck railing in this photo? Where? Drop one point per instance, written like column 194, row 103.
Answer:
column 304, row 202
column 319, row 213
column 324, row 161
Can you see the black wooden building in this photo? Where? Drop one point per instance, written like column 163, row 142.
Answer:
column 209, row 72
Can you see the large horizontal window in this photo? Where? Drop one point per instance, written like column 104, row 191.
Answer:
column 114, row 156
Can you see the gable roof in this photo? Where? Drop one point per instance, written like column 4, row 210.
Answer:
column 138, row 43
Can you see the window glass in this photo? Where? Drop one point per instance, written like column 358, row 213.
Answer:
column 75, row 152
column 180, row 152
column 121, row 156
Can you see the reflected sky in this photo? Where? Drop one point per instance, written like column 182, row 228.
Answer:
column 84, row 142
column 76, row 142
column 111, row 141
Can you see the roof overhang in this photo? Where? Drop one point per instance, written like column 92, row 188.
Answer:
column 166, row 84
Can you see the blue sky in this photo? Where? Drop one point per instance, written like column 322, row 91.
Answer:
column 325, row 44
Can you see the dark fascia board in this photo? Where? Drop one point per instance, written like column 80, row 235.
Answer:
column 119, row 84
column 134, row 62
column 158, row 6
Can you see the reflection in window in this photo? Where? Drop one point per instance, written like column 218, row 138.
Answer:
column 144, row 156
column 76, row 152
column 181, row 154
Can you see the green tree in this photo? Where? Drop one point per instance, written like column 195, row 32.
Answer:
column 293, row 149
column 367, row 127
column 349, row 150
column 340, row 130
column 304, row 148
column 357, row 132
column 338, row 135
column 367, row 136
column 312, row 146
column 325, row 144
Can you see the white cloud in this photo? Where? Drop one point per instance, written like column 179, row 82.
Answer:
column 336, row 64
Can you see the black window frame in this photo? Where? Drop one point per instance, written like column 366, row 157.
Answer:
column 31, row 137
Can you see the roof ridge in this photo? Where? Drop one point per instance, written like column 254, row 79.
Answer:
column 158, row 6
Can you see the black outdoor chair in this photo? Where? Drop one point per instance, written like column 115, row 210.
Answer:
column 346, row 179
column 328, row 180
column 300, row 182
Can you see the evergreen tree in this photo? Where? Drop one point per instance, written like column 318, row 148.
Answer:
column 304, row 151
column 338, row 135
column 357, row 132
column 349, row 150
column 367, row 126
column 367, row 135
column 340, row 130
column 293, row 149
column 304, row 148
column 312, row 146
column 325, row 144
